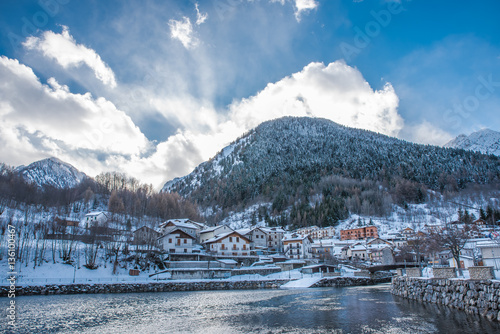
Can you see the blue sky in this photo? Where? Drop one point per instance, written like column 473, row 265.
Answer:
column 153, row 88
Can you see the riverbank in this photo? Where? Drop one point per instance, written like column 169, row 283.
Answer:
column 199, row 285
column 481, row 297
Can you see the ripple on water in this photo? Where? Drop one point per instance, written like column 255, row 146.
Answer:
column 327, row 310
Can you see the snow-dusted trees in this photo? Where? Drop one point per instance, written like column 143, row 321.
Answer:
column 286, row 161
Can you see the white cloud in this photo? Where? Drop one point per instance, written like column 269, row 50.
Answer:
column 47, row 120
column 200, row 17
column 183, row 31
column 426, row 133
column 67, row 53
column 337, row 92
column 302, row 6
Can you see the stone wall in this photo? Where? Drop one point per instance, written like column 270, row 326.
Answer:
column 254, row 271
column 414, row 272
column 182, row 286
column 144, row 287
column 362, row 273
column 476, row 297
column 348, row 281
column 481, row 273
column 445, row 272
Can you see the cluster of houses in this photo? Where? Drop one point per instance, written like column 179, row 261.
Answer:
column 185, row 239
column 184, row 236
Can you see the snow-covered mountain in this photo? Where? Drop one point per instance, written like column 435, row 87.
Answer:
column 51, row 172
column 485, row 141
column 318, row 168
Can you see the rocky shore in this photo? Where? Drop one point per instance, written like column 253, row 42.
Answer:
column 180, row 286
column 142, row 287
column 338, row 282
column 480, row 297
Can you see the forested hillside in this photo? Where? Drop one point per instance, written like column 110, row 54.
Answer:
column 323, row 171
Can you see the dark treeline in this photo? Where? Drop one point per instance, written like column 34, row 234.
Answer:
column 13, row 188
column 127, row 195
column 116, row 191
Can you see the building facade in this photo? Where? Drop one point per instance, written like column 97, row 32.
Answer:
column 361, row 233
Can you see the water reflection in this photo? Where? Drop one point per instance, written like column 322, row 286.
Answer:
column 329, row 310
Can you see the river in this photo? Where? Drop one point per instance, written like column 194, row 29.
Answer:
column 370, row 309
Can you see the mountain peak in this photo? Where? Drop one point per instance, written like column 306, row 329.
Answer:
column 486, row 141
column 51, row 172
column 291, row 160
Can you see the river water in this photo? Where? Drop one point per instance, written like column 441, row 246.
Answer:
column 370, row 309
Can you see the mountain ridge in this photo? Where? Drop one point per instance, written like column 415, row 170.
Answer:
column 51, row 172
column 291, row 160
column 486, row 141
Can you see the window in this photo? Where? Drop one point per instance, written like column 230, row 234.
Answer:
column 185, row 241
column 230, row 239
column 185, row 250
column 237, row 239
column 169, row 241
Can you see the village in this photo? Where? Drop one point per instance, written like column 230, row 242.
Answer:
column 180, row 249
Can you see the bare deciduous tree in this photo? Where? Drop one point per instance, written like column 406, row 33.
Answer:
column 453, row 238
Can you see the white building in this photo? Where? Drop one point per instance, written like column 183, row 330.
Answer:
column 177, row 241
column 95, row 218
column 275, row 237
column 211, row 232
column 229, row 244
column 187, row 225
column 465, row 262
column 258, row 238
column 490, row 252
column 298, row 247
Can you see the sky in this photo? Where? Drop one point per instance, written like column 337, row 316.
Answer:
column 153, row 88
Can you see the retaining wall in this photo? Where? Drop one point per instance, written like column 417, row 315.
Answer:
column 480, row 297
column 57, row 289
column 348, row 281
column 144, row 287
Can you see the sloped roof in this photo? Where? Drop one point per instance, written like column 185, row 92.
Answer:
column 213, row 228
column 179, row 232
column 225, row 235
column 272, row 229
column 185, row 223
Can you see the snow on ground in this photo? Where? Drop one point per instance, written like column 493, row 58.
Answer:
column 238, row 220
column 59, row 273
column 303, row 282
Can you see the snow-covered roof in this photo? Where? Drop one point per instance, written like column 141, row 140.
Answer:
column 95, row 213
column 176, row 230
column 227, row 261
column 213, row 228
column 272, row 229
column 186, row 223
column 295, row 237
column 243, row 231
column 224, row 235
column 358, row 248
column 293, row 261
column 319, row 266
column 488, row 244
